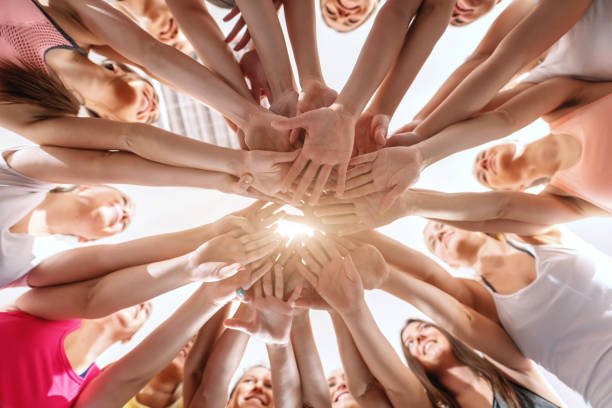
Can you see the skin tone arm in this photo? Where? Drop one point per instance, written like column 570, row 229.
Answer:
column 315, row 393
column 475, row 330
column 214, row 380
column 530, row 38
column 285, row 376
column 267, row 34
column 338, row 283
column 362, row 384
column 97, row 260
column 128, row 286
column 120, row 381
column 208, row 42
column 507, row 20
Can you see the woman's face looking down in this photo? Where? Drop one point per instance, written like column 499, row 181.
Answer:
column 468, row 11
column 427, row 345
column 346, row 15
column 254, row 389
column 454, row 246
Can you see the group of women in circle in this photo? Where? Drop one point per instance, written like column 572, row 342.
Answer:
column 534, row 299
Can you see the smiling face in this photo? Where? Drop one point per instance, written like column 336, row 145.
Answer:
column 126, row 322
column 130, row 97
column 338, row 390
column 454, row 246
column 468, row 11
column 346, row 15
column 102, row 211
column 427, row 345
column 499, row 169
column 254, row 390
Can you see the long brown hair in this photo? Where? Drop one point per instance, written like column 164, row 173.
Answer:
column 442, row 397
column 23, row 84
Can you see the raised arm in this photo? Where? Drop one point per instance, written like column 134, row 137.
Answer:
column 539, row 30
column 128, row 286
column 503, row 24
column 120, row 381
column 315, row 393
column 362, row 385
column 213, row 383
column 208, row 42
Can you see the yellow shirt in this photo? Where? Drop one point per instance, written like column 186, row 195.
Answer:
column 135, row 404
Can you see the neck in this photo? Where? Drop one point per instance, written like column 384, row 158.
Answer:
column 54, row 215
column 462, row 381
column 138, row 8
column 84, row 345
column 507, row 269
column 544, row 154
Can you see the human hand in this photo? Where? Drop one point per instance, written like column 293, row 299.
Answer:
column 268, row 169
column 314, row 95
column 285, row 104
column 370, row 132
column 249, row 219
column 252, row 69
column 273, row 316
column 334, row 278
column 391, row 169
column 261, row 135
column 231, row 248
column 225, row 290
column 405, row 136
column 328, row 143
column 370, row 263
column 246, row 37
column 346, row 217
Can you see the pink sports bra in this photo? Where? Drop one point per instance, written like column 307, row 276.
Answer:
column 27, row 32
column 590, row 178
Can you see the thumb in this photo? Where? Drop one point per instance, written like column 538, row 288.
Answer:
column 299, row 121
column 245, row 181
column 247, row 327
column 285, row 157
column 381, row 127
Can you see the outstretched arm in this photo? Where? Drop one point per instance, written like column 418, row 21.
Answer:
column 285, row 376
column 362, row 385
column 120, row 381
column 544, row 25
column 315, row 393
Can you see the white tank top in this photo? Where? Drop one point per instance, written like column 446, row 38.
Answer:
column 584, row 52
column 563, row 320
column 18, row 196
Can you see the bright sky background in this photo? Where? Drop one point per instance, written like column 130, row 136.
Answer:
column 160, row 210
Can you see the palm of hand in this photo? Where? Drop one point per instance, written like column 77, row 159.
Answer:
column 315, row 95
column 330, row 136
column 364, row 138
column 225, row 248
column 371, row 266
column 338, row 287
column 267, row 173
column 368, row 210
column 261, row 136
column 395, row 166
column 273, row 320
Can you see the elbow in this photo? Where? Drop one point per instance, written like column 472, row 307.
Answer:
column 130, row 136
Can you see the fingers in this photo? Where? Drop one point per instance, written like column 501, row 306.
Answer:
column 317, row 251
column 341, row 219
column 342, row 169
column 379, row 128
column 287, row 253
column 320, row 183
column 295, row 294
column 294, row 135
column 245, row 181
column 247, row 327
column 286, row 157
column 307, row 274
column 266, row 284
column 235, row 30
column 328, row 245
column 306, row 180
column 263, row 213
column 278, row 281
column 265, row 250
column 256, row 206
column 364, row 158
column 301, row 121
column 295, row 170
column 338, row 209
column 357, row 182
column 358, row 171
column 258, row 273
column 390, row 198
column 243, row 41
column 310, row 261
column 233, row 13
column 360, row 191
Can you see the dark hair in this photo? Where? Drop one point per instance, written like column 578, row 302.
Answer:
column 437, row 393
column 25, row 84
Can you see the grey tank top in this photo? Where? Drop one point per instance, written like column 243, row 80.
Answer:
column 527, row 399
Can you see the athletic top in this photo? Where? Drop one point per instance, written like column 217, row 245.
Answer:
column 18, row 196
column 590, row 178
column 35, row 369
column 563, row 319
column 527, row 399
column 27, row 33
column 584, row 51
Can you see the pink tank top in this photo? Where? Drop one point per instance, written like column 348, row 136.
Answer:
column 35, row 371
column 27, row 33
column 590, row 178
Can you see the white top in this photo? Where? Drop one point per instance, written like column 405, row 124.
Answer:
column 584, row 52
column 18, row 196
column 563, row 320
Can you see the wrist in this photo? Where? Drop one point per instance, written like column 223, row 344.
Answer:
column 353, row 313
column 344, row 110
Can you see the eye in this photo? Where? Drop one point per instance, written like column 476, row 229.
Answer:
column 353, row 21
column 268, row 385
column 330, row 11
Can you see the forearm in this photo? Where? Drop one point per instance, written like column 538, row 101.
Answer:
column 267, row 34
column 401, row 386
column 100, row 297
column 379, row 52
column 504, row 226
column 362, row 385
column 223, row 362
column 315, row 392
column 117, row 383
column 208, row 42
column 426, row 29
column 301, row 26
column 285, row 376
column 200, row 352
